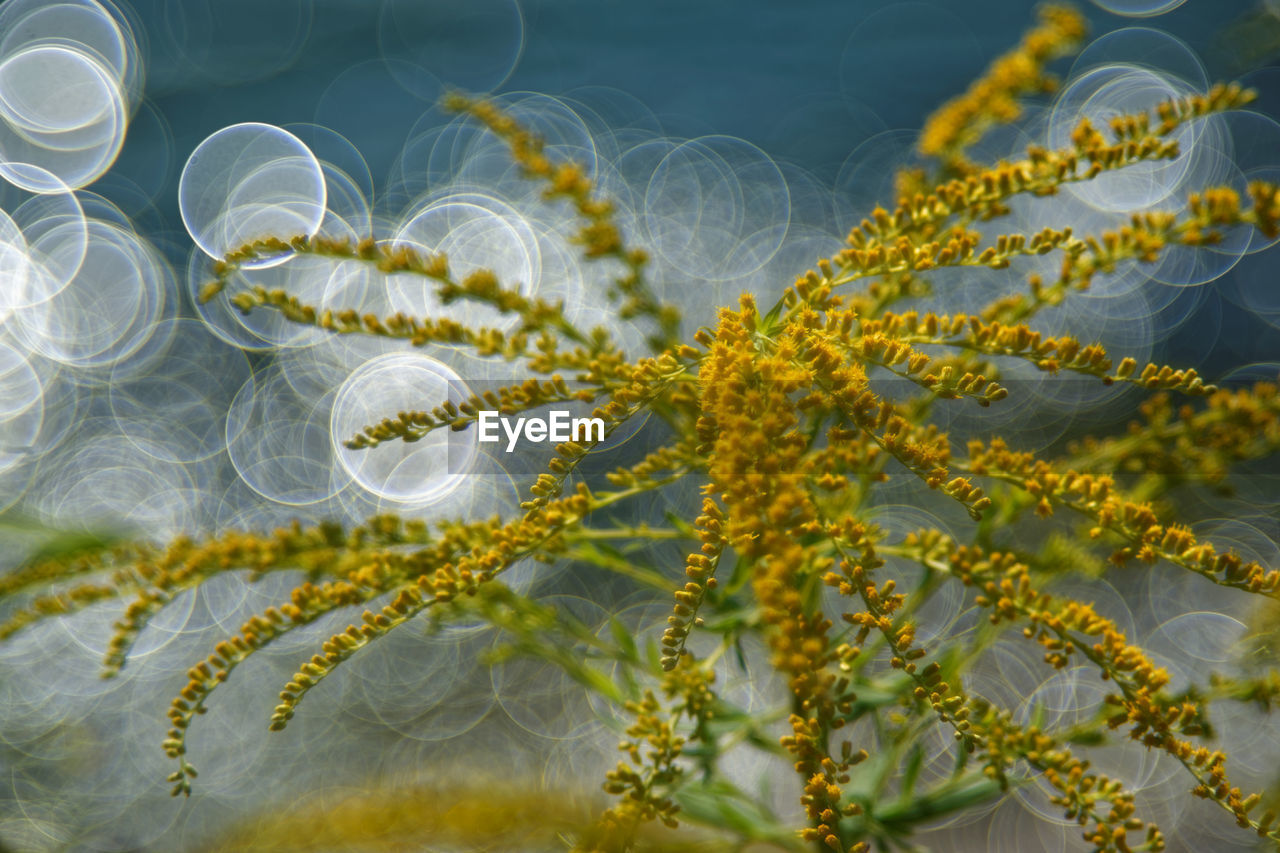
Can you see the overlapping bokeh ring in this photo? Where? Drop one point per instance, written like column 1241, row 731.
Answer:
column 1138, row 8
column 474, row 231
column 278, row 441
column 1144, row 47
column 69, row 79
column 108, row 310
column 1109, row 90
column 246, row 182
column 716, row 208
column 44, row 237
column 420, row 472
column 539, row 696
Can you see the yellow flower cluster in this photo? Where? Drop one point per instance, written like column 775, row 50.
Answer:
column 993, row 98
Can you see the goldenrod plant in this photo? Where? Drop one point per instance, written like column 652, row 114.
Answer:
column 827, row 479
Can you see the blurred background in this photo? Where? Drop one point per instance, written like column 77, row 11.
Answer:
column 125, row 407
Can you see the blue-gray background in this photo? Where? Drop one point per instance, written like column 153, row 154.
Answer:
column 806, row 81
